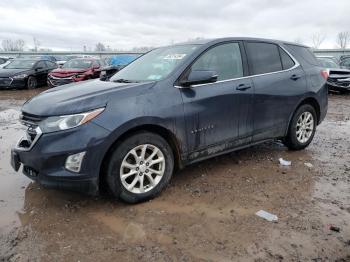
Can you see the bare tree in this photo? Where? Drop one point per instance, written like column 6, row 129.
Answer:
column 343, row 39
column 36, row 43
column 100, row 47
column 317, row 40
column 13, row 45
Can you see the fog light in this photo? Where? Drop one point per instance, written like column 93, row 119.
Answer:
column 73, row 162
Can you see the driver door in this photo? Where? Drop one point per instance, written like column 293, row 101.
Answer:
column 218, row 115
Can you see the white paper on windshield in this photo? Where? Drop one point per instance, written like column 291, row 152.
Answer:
column 174, row 56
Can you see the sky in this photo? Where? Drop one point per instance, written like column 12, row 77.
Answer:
column 72, row 24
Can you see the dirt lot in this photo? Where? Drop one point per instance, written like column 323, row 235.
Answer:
column 206, row 214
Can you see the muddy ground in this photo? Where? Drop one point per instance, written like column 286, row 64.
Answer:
column 206, row 214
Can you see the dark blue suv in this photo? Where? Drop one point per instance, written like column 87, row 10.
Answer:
column 169, row 108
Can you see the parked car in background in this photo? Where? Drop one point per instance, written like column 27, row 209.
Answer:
column 25, row 73
column 61, row 59
column 173, row 106
column 327, row 62
column 328, row 58
column 3, row 60
column 116, row 63
column 339, row 78
column 345, row 61
column 42, row 57
column 75, row 70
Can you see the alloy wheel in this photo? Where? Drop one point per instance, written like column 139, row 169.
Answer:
column 142, row 168
column 305, row 127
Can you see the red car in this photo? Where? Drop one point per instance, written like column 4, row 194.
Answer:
column 75, row 70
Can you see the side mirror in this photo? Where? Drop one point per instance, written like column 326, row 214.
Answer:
column 38, row 68
column 197, row 77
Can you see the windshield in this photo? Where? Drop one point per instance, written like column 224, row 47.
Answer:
column 327, row 63
column 77, row 63
column 61, row 58
column 21, row 64
column 155, row 65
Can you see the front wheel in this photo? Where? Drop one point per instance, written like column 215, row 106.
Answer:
column 302, row 128
column 140, row 167
column 32, row 82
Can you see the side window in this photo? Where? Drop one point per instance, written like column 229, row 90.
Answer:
column 50, row 64
column 263, row 58
column 287, row 61
column 41, row 64
column 303, row 54
column 224, row 59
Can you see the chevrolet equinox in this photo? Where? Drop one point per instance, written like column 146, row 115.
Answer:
column 171, row 107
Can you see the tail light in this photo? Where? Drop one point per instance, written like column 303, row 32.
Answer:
column 325, row 74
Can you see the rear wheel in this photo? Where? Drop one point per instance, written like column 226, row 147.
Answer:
column 32, row 82
column 140, row 167
column 302, row 128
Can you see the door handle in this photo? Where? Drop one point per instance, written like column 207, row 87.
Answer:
column 243, row 87
column 295, row 77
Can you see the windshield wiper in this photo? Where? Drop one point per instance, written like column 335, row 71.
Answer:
column 121, row 80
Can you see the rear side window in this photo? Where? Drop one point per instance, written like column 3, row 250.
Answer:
column 263, row 58
column 287, row 61
column 224, row 59
column 303, row 54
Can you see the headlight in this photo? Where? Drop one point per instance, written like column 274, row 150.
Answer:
column 21, row 76
column 79, row 76
column 57, row 123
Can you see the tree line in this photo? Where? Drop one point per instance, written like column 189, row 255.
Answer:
column 342, row 41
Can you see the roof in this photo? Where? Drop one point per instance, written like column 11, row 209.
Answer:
column 218, row 40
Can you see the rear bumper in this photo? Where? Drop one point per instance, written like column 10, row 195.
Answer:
column 45, row 161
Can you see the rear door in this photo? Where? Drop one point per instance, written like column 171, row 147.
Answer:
column 279, row 83
column 215, row 112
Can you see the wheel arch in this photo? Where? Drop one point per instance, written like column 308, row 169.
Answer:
column 310, row 101
column 153, row 128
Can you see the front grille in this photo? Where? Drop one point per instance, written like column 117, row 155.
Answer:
column 5, row 81
column 57, row 81
column 33, row 131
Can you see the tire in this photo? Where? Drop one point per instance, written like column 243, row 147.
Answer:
column 123, row 158
column 32, row 83
column 295, row 140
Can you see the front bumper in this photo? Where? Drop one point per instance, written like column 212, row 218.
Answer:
column 8, row 82
column 338, row 85
column 44, row 161
column 58, row 81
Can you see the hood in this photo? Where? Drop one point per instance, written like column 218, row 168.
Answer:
column 81, row 97
column 66, row 72
column 4, row 72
